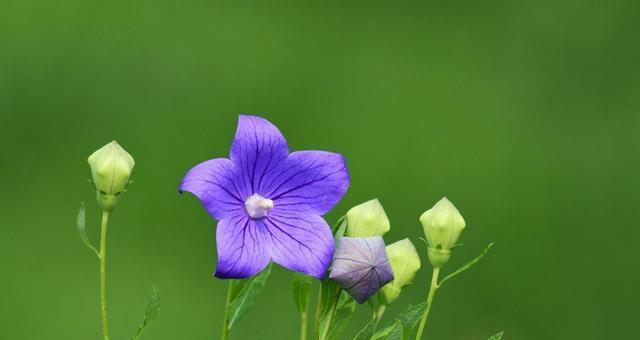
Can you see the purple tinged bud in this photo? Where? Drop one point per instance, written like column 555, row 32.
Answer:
column 361, row 266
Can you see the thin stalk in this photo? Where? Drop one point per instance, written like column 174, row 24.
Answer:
column 332, row 312
column 102, row 257
column 432, row 293
column 338, row 229
column 303, row 325
column 316, row 321
column 380, row 313
column 227, row 312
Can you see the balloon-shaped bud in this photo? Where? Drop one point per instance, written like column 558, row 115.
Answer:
column 361, row 266
column 367, row 219
column 111, row 168
column 442, row 225
column 405, row 263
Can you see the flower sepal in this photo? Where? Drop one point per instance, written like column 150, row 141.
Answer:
column 438, row 257
column 106, row 202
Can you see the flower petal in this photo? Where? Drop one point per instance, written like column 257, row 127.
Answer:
column 241, row 248
column 215, row 183
column 300, row 242
column 258, row 147
column 360, row 266
column 308, row 180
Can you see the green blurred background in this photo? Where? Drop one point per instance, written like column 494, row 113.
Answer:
column 524, row 113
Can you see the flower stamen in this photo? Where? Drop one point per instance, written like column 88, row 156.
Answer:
column 257, row 206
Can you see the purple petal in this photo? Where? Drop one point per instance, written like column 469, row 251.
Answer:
column 360, row 266
column 257, row 149
column 241, row 248
column 308, row 180
column 300, row 242
column 214, row 183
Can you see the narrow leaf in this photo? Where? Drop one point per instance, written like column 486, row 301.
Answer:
column 329, row 293
column 328, row 288
column 340, row 224
column 81, row 225
column 468, row 265
column 153, row 306
column 301, row 288
column 497, row 336
column 244, row 294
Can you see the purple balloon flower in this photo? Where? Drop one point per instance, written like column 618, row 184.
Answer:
column 361, row 266
column 269, row 202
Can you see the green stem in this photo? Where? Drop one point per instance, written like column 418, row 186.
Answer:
column 380, row 313
column 103, row 264
column 432, row 293
column 338, row 229
column 332, row 313
column 303, row 325
column 316, row 321
column 227, row 312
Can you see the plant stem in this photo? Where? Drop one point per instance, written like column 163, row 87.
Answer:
column 316, row 321
column 432, row 293
column 380, row 312
column 303, row 325
column 103, row 264
column 332, row 313
column 227, row 312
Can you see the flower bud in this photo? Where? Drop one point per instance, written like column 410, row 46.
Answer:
column 405, row 263
column 367, row 219
column 442, row 226
column 361, row 266
column 111, row 168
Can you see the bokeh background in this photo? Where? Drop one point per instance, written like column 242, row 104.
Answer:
column 523, row 113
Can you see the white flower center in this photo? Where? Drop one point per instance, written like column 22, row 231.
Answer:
column 258, row 206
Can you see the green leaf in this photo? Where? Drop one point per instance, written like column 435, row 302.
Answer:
column 367, row 332
column 301, row 288
column 468, row 265
column 497, row 336
column 328, row 288
column 391, row 332
column 329, row 291
column 153, row 306
column 410, row 318
column 81, row 223
column 342, row 317
column 406, row 322
column 244, row 294
column 339, row 227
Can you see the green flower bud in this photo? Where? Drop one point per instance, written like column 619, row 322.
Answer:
column 111, row 168
column 442, row 225
column 367, row 219
column 405, row 263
